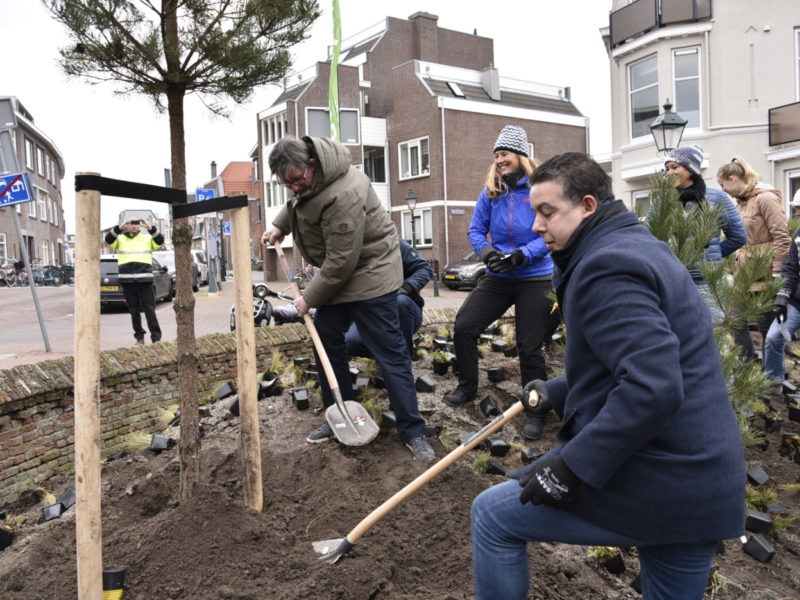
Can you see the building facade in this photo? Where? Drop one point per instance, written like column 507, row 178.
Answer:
column 730, row 68
column 42, row 219
column 420, row 110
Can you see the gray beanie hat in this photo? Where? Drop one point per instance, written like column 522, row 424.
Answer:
column 514, row 139
column 690, row 157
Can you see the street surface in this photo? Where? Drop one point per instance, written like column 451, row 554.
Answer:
column 22, row 341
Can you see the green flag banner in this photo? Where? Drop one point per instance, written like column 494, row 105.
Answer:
column 333, row 83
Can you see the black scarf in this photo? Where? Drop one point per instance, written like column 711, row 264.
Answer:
column 512, row 178
column 695, row 193
column 606, row 210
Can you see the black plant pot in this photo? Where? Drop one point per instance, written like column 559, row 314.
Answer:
column 3, row 514
column 361, row 381
column 789, row 443
column 756, row 521
column 52, row 512
column 378, row 382
column 759, row 548
column 613, row 564
column 388, row 420
column 158, row 442
column 311, row 374
column 67, row 499
column 113, row 580
column 497, row 445
column 496, row 374
column 495, row 468
column 234, row 407
column 354, row 373
column 225, row 390
column 499, row 345
column 489, row 407
column 757, row 475
column 300, row 399
column 528, row 455
column 486, row 338
column 440, row 367
column 510, row 351
column 425, row 383
column 6, row 538
column 794, row 412
column 772, row 421
column 301, row 361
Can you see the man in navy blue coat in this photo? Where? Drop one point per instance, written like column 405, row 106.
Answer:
column 651, row 455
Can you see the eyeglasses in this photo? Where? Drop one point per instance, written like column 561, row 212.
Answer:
column 289, row 183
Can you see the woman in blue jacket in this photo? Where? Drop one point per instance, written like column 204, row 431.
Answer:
column 685, row 164
column 519, row 272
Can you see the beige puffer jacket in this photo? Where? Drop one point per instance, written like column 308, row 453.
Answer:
column 340, row 226
column 765, row 221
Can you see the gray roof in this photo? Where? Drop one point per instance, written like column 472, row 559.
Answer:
column 516, row 99
column 292, row 93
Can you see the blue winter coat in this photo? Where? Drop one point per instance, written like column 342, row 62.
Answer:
column 509, row 220
column 731, row 225
column 647, row 424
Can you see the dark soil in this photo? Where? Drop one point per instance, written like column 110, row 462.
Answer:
column 214, row 548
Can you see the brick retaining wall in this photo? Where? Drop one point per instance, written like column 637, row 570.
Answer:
column 138, row 383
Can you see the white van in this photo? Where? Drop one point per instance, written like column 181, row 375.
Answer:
column 199, row 257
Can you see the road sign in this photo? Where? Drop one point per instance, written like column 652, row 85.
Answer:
column 14, row 189
column 207, row 194
column 226, row 228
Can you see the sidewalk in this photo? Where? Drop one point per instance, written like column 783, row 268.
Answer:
column 23, row 342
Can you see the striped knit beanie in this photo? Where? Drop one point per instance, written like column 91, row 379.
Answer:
column 514, row 139
column 690, row 157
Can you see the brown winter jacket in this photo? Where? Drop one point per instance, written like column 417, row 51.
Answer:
column 340, row 226
column 765, row 221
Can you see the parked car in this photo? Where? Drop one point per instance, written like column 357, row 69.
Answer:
column 464, row 273
column 199, row 257
column 111, row 289
column 167, row 258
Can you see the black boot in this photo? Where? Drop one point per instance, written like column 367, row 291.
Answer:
column 458, row 397
column 533, row 429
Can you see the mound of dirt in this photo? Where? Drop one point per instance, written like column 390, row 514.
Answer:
column 214, row 548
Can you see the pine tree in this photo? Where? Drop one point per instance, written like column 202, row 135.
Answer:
column 219, row 49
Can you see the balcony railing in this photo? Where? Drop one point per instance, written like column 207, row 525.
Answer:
column 642, row 16
column 784, row 124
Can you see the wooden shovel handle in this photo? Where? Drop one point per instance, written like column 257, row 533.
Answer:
column 312, row 330
column 385, row 508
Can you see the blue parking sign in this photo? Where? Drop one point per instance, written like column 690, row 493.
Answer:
column 14, row 189
column 201, row 194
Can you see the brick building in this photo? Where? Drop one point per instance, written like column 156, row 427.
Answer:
column 420, row 107
column 42, row 219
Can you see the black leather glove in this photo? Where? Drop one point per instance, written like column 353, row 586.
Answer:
column 493, row 259
column 509, row 261
column 405, row 288
column 549, row 482
column 542, row 405
column 780, row 307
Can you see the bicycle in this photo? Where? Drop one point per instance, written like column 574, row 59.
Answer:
column 9, row 273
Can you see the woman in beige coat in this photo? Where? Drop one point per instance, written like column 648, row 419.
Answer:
column 765, row 221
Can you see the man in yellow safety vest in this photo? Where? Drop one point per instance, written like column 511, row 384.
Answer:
column 134, row 242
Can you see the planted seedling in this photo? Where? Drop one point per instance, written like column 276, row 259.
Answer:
column 277, row 364
column 718, row 582
column 781, row 523
column 441, row 362
column 484, row 349
column 447, row 439
column 608, row 557
column 757, row 498
column 370, row 404
column 166, row 416
column 481, row 462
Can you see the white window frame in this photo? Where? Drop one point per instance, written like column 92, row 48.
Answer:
column 30, row 154
column 40, row 160
column 423, row 223
column 32, row 203
column 640, row 196
column 3, row 247
column 41, row 199
column 677, row 108
column 45, row 252
column 342, row 111
column 797, row 64
column 631, row 93
column 405, row 148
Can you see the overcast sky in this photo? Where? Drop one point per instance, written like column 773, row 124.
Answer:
column 123, row 137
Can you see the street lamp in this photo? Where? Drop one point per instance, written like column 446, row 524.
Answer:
column 411, row 201
column 667, row 129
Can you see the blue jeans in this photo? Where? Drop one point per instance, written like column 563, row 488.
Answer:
column 502, row 526
column 773, row 352
column 379, row 326
column 410, row 315
column 717, row 316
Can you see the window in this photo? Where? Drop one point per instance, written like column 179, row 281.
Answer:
column 3, row 248
column 686, row 71
column 42, row 198
column 797, row 64
column 32, row 203
column 531, row 150
column 318, row 124
column 30, row 156
column 374, row 164
column 45, row 251
column 40, row 160
column 423, row 228
column 641, row 203
column 455, row 89
column 643, row 86
column 274, row 129
column 414, row 158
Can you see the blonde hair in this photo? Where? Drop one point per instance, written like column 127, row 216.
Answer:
column 496, row 186
column 738, row 167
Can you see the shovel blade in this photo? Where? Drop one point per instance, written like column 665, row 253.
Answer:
column 331, row 551
column 359, row 431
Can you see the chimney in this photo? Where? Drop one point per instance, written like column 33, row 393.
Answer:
column 213, row 169
column 490, row 80
column 425, row 36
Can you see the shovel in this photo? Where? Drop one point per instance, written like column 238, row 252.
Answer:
column 351, row 423
column 332, row 550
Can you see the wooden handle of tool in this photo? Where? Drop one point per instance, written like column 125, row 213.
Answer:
column 312, row 330
column 425, row 478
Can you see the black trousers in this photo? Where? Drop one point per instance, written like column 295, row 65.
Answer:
column 487, row 303
column 141, row 297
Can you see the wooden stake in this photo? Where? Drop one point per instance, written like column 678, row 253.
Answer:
column 88, row 527
column 246, row 361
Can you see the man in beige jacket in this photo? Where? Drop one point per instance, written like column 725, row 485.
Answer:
column 339, row 225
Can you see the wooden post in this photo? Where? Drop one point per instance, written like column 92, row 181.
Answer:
column 246, row 360
column 88, row 527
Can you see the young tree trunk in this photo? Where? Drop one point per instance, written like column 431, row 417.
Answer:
column 189, row 445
